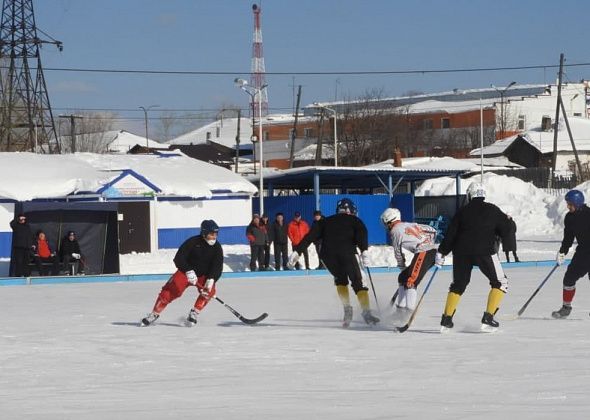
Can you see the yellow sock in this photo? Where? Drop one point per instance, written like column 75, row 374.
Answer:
column 494, row 298
column 452, row 302
column 343, row 295
column 363, row 297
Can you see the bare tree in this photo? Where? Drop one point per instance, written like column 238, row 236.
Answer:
column 94, row 132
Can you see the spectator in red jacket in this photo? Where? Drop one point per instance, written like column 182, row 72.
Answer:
column 44, row 254
column 297, row 229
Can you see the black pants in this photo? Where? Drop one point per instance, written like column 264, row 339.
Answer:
column 578, row 268
column 266, row 255
column 20, row 262
column 281, row 255
column 318, row 247
column 508, row 256
column 43, row 271
column 414, row 273
column 306, row 258
column 78, row 264
column 345, row 268
column 256, row 256
column 489, row 265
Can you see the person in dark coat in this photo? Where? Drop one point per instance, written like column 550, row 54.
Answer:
column 257, row 238
column 317, row 216
column 265, row 225
column 70, row 252
column 44, row 254
column 471, row 237
column 509, row 242
column 22, row 242
column 278, row 235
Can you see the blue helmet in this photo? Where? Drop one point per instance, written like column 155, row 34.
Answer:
column 209, row 226
column 575, row 198
column 345, row 205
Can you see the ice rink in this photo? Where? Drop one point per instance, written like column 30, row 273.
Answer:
column 75, row 352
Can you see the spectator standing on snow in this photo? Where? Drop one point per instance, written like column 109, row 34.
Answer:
column 298, row 228
column 317, row 216
column 257, row 238
column 279, row 237
column 509, row 241
column 22, row 242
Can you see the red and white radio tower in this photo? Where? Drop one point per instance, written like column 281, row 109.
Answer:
column 257, row 69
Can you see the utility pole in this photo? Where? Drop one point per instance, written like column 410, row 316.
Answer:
column 556, row 124
column 72, row 119
column 294, row 131
column 238, row 139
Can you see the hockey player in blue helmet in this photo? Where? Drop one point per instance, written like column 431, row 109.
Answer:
column 341, row 234
column 576, row 226
column 199, row 263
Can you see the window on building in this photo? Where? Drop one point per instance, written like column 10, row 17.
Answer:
column 208, row 136
column 308, row 133
column 291, row 131
column 522, row 122
column 577, row 114
column 217, row 131
column 546, row 123
column 445, row 123
column 427, row 124
column 265, row 135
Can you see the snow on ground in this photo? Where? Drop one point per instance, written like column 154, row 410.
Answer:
column 75, row 352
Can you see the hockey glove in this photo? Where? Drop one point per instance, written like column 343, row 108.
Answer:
column 365, row 258
column 293, row 258
column 191, row 277
column 76, row 256
column 560, row 258
column 439, row 260
column 207, row 289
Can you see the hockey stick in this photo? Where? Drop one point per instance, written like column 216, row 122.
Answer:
column 392, row 301
column 373, row 287
column 405, row 327
column 521, row 311
column 240, row 316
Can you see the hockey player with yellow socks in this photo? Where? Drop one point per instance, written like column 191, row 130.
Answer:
column 470, row 236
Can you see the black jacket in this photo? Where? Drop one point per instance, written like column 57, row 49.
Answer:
column 577, row 225
column 341, row 234
column 278, row 233
column 474, row 228
column 196, row 254
column 69, row 247
column 22, row 236
column 509, row 242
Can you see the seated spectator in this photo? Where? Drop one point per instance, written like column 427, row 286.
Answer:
column 44, row 254
column 69, row 253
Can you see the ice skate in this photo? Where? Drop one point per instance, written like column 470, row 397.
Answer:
column 563, row 312
column 149, row 319
column 347, row 316
column 369, row 317
column 488, row 323
column 191, row 319
column 401, row 315
column 446, row 323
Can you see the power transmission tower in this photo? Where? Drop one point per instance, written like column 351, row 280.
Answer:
column 26, row 120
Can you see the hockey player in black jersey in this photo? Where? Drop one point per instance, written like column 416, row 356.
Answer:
column 576, row 225
column 341, row 234
column 471, row 236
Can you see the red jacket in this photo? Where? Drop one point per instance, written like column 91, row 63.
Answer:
column 297, row 230
column 43, row 249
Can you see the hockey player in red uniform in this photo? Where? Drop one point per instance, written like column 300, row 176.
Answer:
column 576, row 225
column 419, row 240
column 341, row 234
column 199, row 261
column 471, row 237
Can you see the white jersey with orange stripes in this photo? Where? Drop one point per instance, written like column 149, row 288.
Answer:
column 413, row 237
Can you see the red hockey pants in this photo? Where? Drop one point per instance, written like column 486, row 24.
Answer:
column 175, row 287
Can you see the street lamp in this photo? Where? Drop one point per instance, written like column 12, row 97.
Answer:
column 255, row 92
column 502, row 92
column 145, row 111
column 333, row 111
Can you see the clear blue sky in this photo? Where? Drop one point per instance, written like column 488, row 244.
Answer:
column 299, row 36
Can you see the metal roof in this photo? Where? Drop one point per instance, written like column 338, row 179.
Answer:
column 347, row 177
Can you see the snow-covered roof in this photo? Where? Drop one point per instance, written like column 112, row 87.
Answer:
column 123, row 141
column 228, row 129
column 28, row 176
column 113, row 141
column 543, row 140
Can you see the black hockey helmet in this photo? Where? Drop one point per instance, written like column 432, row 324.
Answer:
column 346, row 205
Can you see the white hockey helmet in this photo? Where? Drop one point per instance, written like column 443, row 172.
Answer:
column 390, row 215
column 476, row 190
